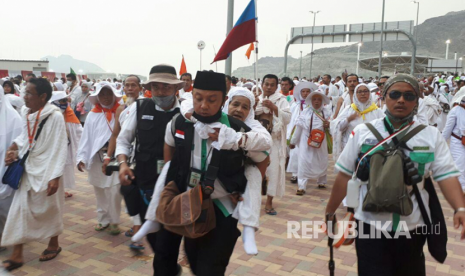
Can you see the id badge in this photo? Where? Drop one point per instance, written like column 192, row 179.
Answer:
column 195, row 177
column 160, row 164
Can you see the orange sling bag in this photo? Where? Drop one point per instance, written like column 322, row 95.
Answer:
column 316, row 137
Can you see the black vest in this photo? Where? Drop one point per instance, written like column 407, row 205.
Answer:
column 231, row 165
column 150, row 141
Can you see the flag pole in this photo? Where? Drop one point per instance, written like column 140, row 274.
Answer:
column 256, row 43
column 216, row 63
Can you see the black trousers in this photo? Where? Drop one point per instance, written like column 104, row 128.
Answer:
column 166, row 251
column 137, row 205
column 388, row 257
column 209, row 255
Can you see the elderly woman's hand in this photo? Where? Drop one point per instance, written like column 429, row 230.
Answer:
column 235, row 198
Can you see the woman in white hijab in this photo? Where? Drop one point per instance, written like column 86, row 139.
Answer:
column 239, row 105
column 313, row 154
column 442, row 95
column 58, row 86
column 11, row 126
column 95, row 137
column 362, row 110
column 301, row 91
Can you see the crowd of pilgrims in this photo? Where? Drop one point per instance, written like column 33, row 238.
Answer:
column 139, row 141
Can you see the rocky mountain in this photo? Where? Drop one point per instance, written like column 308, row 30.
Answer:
column 432, row 35
column 64, row 62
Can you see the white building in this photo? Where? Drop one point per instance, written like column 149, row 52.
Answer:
column 24, row 65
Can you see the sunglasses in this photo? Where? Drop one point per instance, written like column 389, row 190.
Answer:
column 380, row 84
column 408, row 96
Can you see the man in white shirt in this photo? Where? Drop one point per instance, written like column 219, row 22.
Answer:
column 332, row 91
column 187, row 79
column 147, row 119
column 74, row 90
column 400, row 255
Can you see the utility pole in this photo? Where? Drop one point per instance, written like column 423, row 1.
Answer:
column 311, row 52
column 229, row 26
column 416, row 28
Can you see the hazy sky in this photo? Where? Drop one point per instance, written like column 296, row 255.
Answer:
column 131, row 36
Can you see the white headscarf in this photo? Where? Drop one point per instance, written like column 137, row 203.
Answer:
column 239, row 91
column 259, row 87
column 11, row 126
column 362, row 106
column 59, row 86
column 303, row 85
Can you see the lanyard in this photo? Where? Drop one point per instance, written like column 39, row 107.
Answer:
column 106, row 120
column 31, row 135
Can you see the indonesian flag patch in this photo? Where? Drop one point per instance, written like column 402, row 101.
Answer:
column 179, row 134
column 352, row 134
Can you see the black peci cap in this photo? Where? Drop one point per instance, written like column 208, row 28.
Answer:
column 208, row 80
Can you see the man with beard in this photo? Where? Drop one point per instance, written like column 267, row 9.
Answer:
column 132, row 88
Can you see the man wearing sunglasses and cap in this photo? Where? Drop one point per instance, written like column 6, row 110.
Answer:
column 146, row 123
column 401, row 254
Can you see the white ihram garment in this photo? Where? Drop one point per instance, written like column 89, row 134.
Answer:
column 313, row 162
column 34, row 215
column 97, row 132
column 276, row 170
column 11, row 127
column 456, row 124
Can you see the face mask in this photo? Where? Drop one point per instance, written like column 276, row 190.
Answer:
column 69, row 83
column 164, row 102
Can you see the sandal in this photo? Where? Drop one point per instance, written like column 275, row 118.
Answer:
column 12, row 265
column 129, row 233
column 100, row 227
column 271, row 212
column 136, row 246
column 300, row 192
column 68, row 195
column 294, row 179
column 321, row 186
column 114, row 230
column 46, row 252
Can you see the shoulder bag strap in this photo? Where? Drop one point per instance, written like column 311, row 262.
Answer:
column 376, row 133
column 311, row 125
column 212, row 170
column 412, row 133
column 39, row 130
column 173, row 123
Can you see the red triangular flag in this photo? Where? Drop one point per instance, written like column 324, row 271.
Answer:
column 183, row 69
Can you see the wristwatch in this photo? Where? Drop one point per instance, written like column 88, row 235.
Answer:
column 461, row 209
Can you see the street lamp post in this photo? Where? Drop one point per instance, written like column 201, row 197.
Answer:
column 416, row 27
column 313, row 30
column 358, row 57
column 300, row 73
column 381, row 44
column 447, row 48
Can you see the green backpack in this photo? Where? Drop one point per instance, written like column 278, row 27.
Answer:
column 387, row 190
